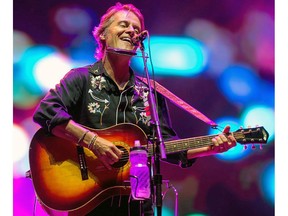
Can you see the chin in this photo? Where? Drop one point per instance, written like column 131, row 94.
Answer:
column 127, row 48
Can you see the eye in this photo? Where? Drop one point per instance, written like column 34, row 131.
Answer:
column 123, row 24
column 137, row 31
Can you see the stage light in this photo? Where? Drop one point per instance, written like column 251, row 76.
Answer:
column 236, row 153
column 21, row 41
column 26, row 89
column 26, row 67
column 239, row 83
column 267, row 182
column 23, row 98
column 267, row 94
column 174, row 56
column 256, row 39
column 215, row 38
column 50, row 69
column 73, row 19
column 260, row 115
column 20, row 143
column 165, row 211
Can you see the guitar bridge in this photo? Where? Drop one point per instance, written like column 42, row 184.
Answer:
column 82, row 162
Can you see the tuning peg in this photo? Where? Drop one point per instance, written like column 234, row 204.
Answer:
column 245, row 147
column 253, row 147
column 261, row 147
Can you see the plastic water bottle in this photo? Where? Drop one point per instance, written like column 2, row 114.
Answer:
column 139, row 172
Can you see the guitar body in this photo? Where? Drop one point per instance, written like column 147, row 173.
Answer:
column 56, row 174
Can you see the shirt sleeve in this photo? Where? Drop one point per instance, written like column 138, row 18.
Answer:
column 56, row 107
column 168, row 133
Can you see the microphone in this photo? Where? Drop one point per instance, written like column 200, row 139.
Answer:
column 139, row 37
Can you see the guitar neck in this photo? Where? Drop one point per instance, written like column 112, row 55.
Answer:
column 188, row 143
column 174, row 146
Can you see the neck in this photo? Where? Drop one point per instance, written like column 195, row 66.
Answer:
column 117, row 66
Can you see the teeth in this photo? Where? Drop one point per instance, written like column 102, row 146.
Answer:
column 126, row 39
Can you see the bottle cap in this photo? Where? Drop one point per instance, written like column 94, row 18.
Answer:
column 138, row 146
column 137, row 143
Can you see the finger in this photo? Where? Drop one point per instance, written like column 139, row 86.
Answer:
column 215, row 142
column 117, row 151
column 226, row 129
column 229, row 141
column 221, row 139
column 105, row 163
column 113, row 157
column 111, row 161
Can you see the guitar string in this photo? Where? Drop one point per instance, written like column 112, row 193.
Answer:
column 179, row 143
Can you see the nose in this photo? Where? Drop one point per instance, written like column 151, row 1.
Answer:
column 130, row 30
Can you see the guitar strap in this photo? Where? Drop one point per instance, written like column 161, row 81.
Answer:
column 178, row 102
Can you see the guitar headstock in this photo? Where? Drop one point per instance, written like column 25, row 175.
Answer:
column 251, row 135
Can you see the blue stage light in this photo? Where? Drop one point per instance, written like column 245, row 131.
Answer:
column 259, row 115
column 240, row 84
column 174, row 56
column 238, row 152
column 267, row 182
column 27, row 66
column 26, row 89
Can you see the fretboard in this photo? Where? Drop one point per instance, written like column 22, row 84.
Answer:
column 174, row 146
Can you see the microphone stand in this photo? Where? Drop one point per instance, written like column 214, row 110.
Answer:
column 160, row 147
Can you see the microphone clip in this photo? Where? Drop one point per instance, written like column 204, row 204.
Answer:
column 139, row 38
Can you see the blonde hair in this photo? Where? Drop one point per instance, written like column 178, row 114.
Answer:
column 107, row 19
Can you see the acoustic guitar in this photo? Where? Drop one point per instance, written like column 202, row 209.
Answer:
column 58, row 178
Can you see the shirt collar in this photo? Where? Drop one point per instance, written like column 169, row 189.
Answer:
column 98, row 69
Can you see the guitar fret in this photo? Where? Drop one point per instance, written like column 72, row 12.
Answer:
column 189, row 143
column 197, row 142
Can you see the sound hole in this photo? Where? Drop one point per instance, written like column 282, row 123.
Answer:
column 123, row 160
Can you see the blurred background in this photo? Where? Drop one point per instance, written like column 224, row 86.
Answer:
column 217, row 56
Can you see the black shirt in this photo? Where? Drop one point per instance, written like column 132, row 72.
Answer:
column 91, row 98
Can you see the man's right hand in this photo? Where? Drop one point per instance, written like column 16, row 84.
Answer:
column 106, row 151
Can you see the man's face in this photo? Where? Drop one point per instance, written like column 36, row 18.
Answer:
column 123, row 27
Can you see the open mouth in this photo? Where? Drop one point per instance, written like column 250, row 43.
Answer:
column 127, row 39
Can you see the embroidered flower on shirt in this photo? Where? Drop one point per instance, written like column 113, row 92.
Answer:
column 144, row 118
column 141, row 90
column 98, row 82
column 93, row 107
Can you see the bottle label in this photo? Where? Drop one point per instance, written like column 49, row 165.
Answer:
column 140, row 182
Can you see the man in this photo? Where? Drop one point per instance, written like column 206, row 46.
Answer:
column 108, row 93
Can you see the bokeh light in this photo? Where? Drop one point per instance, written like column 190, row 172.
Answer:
column 239, row 83
column 72, row 19
column 267, row 182
column 26, row 90
column 259, row 115
column 237, row 153
column 21, row 42
column 257, row 40
column 50, row 69
column 20, row 143
column 175, row 56
column 218, row 41
column 196, row 214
